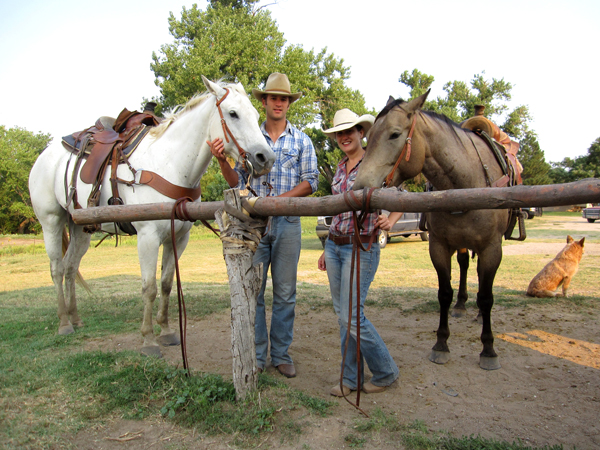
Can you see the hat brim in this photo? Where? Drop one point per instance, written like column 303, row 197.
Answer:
column 366, row 121
column 258, row 94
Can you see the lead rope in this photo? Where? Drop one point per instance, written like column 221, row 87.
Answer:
column 352, row 202
column 179, row 211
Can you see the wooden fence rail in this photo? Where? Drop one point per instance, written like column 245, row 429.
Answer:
column 578, row 192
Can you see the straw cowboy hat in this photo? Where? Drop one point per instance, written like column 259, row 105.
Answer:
column 345, row 119
column 277, row 84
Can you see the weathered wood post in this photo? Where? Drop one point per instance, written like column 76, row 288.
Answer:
column 240, row 236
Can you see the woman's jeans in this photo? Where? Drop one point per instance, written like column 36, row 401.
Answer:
column 279, row 249
column 338, row 259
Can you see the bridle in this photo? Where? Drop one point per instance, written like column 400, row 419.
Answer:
column 406, row 150
column 227, row 132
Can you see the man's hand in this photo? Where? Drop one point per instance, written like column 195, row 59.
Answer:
column 217, row 148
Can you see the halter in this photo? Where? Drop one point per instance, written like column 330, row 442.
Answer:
column 405, row 150
column 227, row 132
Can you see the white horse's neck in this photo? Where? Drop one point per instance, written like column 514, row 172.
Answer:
column 181, row 153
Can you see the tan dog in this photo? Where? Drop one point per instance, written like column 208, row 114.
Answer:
column 560, row 270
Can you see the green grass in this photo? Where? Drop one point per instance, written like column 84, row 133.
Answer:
column 50, row 388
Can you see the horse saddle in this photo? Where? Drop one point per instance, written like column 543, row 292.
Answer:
column 108, row 142
column 98, row 142
column 504, row 148
column 505, row 151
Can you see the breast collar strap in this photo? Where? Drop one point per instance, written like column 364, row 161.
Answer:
column 405, row 151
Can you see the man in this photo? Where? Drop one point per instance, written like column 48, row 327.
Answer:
column 294, row 174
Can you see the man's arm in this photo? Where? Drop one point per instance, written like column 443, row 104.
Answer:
column 309, row 172
column 217, row 148
column 301, row 190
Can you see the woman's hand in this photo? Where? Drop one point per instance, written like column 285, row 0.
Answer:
column 321, row 262
column 386, row 223
column 383, row 223
column 217, row 148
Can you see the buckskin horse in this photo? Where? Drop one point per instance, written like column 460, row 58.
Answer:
column 176, row 154
column 406, row 141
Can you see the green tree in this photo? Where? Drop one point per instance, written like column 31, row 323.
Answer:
column 19, row 149
column 585, row 166
column 536, row 170
column 236, row 41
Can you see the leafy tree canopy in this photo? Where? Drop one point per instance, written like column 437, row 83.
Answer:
column 236, row 41
column 19, row 149
column 586, row 166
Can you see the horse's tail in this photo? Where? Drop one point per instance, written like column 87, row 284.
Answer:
column 79, row 278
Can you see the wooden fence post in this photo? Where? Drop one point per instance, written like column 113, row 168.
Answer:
column 240, row 236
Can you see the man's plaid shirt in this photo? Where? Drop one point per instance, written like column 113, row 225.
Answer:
column 295, row 162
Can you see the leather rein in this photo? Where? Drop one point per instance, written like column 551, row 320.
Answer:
column 179, row 212
column 357, row 246
column 227, row 132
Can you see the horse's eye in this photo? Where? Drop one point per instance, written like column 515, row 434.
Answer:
column 233, row 114
column 395, row 135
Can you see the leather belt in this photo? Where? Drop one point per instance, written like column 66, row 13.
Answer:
column 345, row 240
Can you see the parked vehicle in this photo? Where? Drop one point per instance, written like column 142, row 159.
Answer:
column 533, row 211
column 407, row 225
column 591, row 214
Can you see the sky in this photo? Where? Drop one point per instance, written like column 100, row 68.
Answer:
column 64, row 63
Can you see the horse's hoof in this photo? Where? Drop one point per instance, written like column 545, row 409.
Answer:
column 79, row 324
column 152, row 350
column 489, row 362
column 168, row 339
column 459, row 313
column 439, row 357
column 66, row 329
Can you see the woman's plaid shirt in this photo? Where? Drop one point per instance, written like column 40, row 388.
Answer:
column 342, row 224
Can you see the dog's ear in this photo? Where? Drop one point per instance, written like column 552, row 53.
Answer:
column 569, row 239
column 581, row 241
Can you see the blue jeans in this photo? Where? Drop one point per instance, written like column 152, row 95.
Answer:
column 279, row 249
column 338, row 259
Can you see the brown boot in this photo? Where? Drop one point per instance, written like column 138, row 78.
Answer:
column 287, row 370
column 337, row 392
column 370, row 388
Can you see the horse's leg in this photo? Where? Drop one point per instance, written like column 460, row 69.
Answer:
column 487, row 266
column 78, row 246
column 167, row 336
column 460, row 308
column 441, row 259
column 148, row 245
column 54, row 226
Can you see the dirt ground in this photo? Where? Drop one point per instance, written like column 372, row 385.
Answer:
column 547, row 391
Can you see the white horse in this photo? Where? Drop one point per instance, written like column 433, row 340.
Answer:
column 177, row 151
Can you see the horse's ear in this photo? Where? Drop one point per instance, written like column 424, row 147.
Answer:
column 417, row 103
column 213, row 88
column 390, row 100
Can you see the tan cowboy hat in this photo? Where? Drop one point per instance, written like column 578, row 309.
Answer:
column 345, row 119
column 277, row 84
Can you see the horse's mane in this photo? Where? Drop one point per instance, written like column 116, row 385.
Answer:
column 434, row 115
column 192, row 103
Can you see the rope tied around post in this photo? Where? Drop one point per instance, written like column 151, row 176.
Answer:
column 249, row 228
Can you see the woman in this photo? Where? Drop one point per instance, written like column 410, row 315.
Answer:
column 348, row 130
